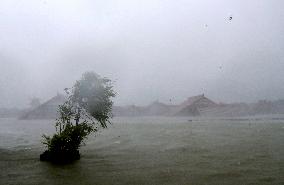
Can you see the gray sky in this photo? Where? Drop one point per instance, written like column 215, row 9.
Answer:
column 153, row 49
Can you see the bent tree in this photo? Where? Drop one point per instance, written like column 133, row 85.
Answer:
column 87, row 108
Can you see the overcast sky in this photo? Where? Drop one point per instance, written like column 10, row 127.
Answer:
column 152, row 49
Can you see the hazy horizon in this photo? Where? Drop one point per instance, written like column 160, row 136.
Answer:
column 152, row 50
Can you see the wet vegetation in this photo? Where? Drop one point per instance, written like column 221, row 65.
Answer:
column 87, row 108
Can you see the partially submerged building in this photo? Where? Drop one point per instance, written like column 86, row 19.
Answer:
column 47, row 110
column 194, row 106
column 198, row 105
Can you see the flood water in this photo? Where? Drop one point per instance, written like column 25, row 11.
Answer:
column 151, row 151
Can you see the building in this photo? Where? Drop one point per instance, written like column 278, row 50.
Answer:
column 194, row 106
column 47, row 110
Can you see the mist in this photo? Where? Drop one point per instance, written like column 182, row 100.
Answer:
column 152, row 50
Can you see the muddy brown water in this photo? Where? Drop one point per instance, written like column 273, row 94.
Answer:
column 149, row 151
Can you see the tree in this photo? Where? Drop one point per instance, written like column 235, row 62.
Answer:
column 87, row 108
